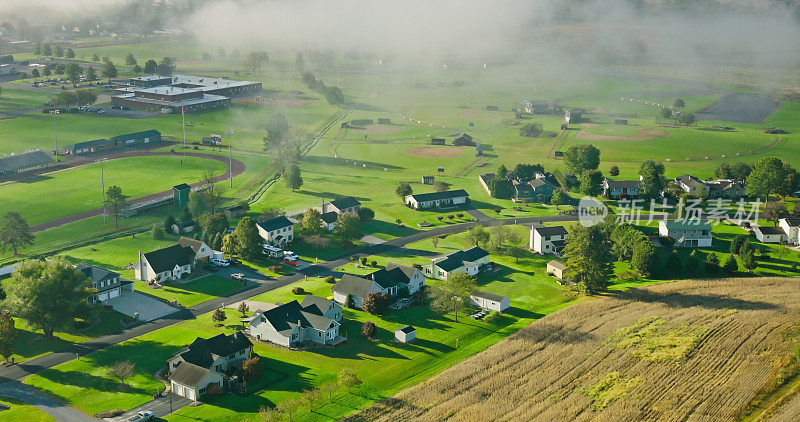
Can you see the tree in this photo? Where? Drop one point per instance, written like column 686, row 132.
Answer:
column 46, row 50
column 59, row 51
column 348, row 227
column 693, row 263
column 212, row 195
column 277, row 129
column 452, row 294
column 731, row 266
column 686, row 119
column 219, row 316
column 35, row 73
column 653, row 181
column 37, row 49
column 679, row 103
column 292, row 177
column 269, row 414
column 501, row 188
column 749, row 260
column 441, row 186
column 666, row 113
column 299, row 63
column 643, row 256
column 403, row 190
column 229, row 245
column 591, row 182
column 712, row 263
column 740, row 170
column 579, row 158
column 248, row 241
column 674, row 264
column 8, row 334
column 502, row 171
column 70, row 54
column 589, row 260
column 48, row 295
column 349, row 379
column 774, row 211
column 252, row 367
column 243, row 308
column 254, row 61
column 15, row 233
column 435, row 241
column 123, row 370
column 166, row 67
column 213, row 223
column 310, row 397
column 136, row 69
column 517, row 252
column 95, row 58
column 73, row 72
column 330, row 388
column 369, row 330
column 366, row 214
column 737, row 242
column 478, row 235
column 90, row 74
column 64, row 98
column 288, row 406
column 116, row 202
column 723, row 171
column 767, row 177
column 46, row 71
column 150, row 67
column 311, row 223
column 130, row 60
column 613, row 171
column 108, row 70
column 375, row 303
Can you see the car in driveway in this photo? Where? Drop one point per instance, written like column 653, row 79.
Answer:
column 291, row 258
column 220, row 262
column 237, row 276
column 142, row 416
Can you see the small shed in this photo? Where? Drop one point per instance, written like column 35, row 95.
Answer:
column 490, row 301
column 234, row 212
column 767, row 234
column 620, row 121
column 557, row 268
column 428, row 180
column 437, row 141
column 405, row 334
column 180, row 194
column 492, row 108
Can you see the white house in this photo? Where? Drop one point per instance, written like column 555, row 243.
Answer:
column 329, row 220
column 206, row 361
column 344, row 205
column 181, row 227
column 107, row 284
column 686, row 233
column 766, row 234
column 621, row 188
column 489, row 301
column 546, row 240
column 437, row 199
column 790, row 226
column 467, row 261
column 389, row 281
column 557, row 268
column 316, row 320
column 405, row 334
column 201, row 250
column 277, row 231
column 164, row 264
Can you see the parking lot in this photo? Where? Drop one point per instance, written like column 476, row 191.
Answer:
column 107, row 111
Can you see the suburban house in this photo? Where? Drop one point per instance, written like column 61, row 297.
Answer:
column 445, row 199
column 544, row 240
column 276, row 231
column 107, row 283
column 767, row 234
column 467, row 261
column 348, row 205
column 234, row 212
column 405, row 334
column 388, row 281
column 201, row 250
column 689, row 184
column 541, row 189
column 206, row 361
column 329, row 220
column 490, row 301
column 618, row 189
column 720, row 188
column 165, row 264
column 686, row 233
column 185, row 226
column 791, row 226
column 557, row 268
column 315, row 320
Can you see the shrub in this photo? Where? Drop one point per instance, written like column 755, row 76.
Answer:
column 451, row 216
column 252, row 368
column 363, row 260
column 157, row 232
column 374, row 263
column 369, row 330
column 731, row 266
column 214, row 390
column 375, row 303
column 440, row 218
column 330, row 279
column 298, row 290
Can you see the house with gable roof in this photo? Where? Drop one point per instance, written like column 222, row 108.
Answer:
column 201, row 250
column 467, row 261
column 276, row 231
column 165, row 264
column 315, row 320
column 388, row 281
column 544, row 240
column 107, row 284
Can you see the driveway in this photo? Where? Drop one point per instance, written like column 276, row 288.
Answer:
column 147, row 307
column 161, row 406
column 53, row 407
column 251, row 276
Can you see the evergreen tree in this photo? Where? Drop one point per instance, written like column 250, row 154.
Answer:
column 731, row 266
column 712, row 263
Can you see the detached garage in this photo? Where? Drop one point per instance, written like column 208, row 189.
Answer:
column 192, row 381
column 489, row 301
column 768, row 234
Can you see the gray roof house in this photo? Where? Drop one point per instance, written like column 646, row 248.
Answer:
column 107, row 284
column 276, row 231
column 388, row 281
column 201, row 250
column 437, row 199
column 347, row 204
column 165, row 264
column 206, row 361
column 315, row 320
column 616, row 189
column 467, row 261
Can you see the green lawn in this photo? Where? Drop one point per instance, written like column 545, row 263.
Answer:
column 20, row 99
column 19, row 411
column 205, row 287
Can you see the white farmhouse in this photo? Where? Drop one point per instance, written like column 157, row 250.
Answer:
column 791, row 226
column 548, row 240
column 687, row 233
column 467, row 261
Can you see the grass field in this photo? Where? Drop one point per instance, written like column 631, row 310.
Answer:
column 642, row 354
column 19, row 411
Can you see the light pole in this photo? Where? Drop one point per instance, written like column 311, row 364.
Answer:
column 103, row 186
column 55, row 134
column 230, row 156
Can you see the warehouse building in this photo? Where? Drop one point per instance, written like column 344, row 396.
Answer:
column 170, row 94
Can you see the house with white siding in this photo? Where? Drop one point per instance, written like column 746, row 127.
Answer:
column 201, row 250
column 791, row 226
column 621, row 189
column 687, row 233
column 445, row 199
column 388, row 281
column 278, row 231
column 767, row 234
column 107, row 284
column 467, row 261
column 316, row 320
column 193, row 369
column 548, row 240
column 490, row 301
column 165, row 264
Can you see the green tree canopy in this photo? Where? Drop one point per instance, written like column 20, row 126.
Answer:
column 14, row 233
column 348, row 227
column 403, row 190
column 293, row 178
column 588, row 257
column 311, row 223
column 451, row 295
column 109, row 70
column 116, row 202
column 579, row 158
column 150, row 67
column 653, row 181
column 591, row 182
column 248, row 241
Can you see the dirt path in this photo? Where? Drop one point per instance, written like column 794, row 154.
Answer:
column 641, row 135
column 238, row 168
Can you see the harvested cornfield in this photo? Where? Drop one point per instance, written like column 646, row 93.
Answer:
column 697, row 350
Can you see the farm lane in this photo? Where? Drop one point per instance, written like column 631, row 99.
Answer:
column 238, row 168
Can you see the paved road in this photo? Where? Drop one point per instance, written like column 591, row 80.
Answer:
column 53, row 407
column 161, row 406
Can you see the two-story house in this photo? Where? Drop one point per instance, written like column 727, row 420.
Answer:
column 165, row 264
column 277, row 231
column 437, row 199
column 206, row 361
column 791, row 226
column 689, row 184
column 389, row 281
column 687, row 233
column 619, row 189
column 467, row 261
column 548, row 240
column 347, row 204
column 107, row 284
column 315, row 320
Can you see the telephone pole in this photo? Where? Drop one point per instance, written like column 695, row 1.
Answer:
column 103, row 186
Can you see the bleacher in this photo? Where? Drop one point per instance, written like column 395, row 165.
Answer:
column 13, row 163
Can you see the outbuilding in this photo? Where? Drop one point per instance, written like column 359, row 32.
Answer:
column 766, row 234
column 490, row 301
column 557, row 269
column 405, row 334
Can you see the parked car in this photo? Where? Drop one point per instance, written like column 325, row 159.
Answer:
column 220, row 262
column 237, row 276
column 142, row 416
column 101, row 111
column 291, row 258
column 234, row 262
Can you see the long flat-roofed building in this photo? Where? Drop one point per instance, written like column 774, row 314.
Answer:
column 170, row 94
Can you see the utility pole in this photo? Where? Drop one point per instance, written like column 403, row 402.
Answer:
column 103, row 187
column 230, row 156
column 55, row 134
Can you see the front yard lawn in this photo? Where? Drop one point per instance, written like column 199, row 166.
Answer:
column 204, row 288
